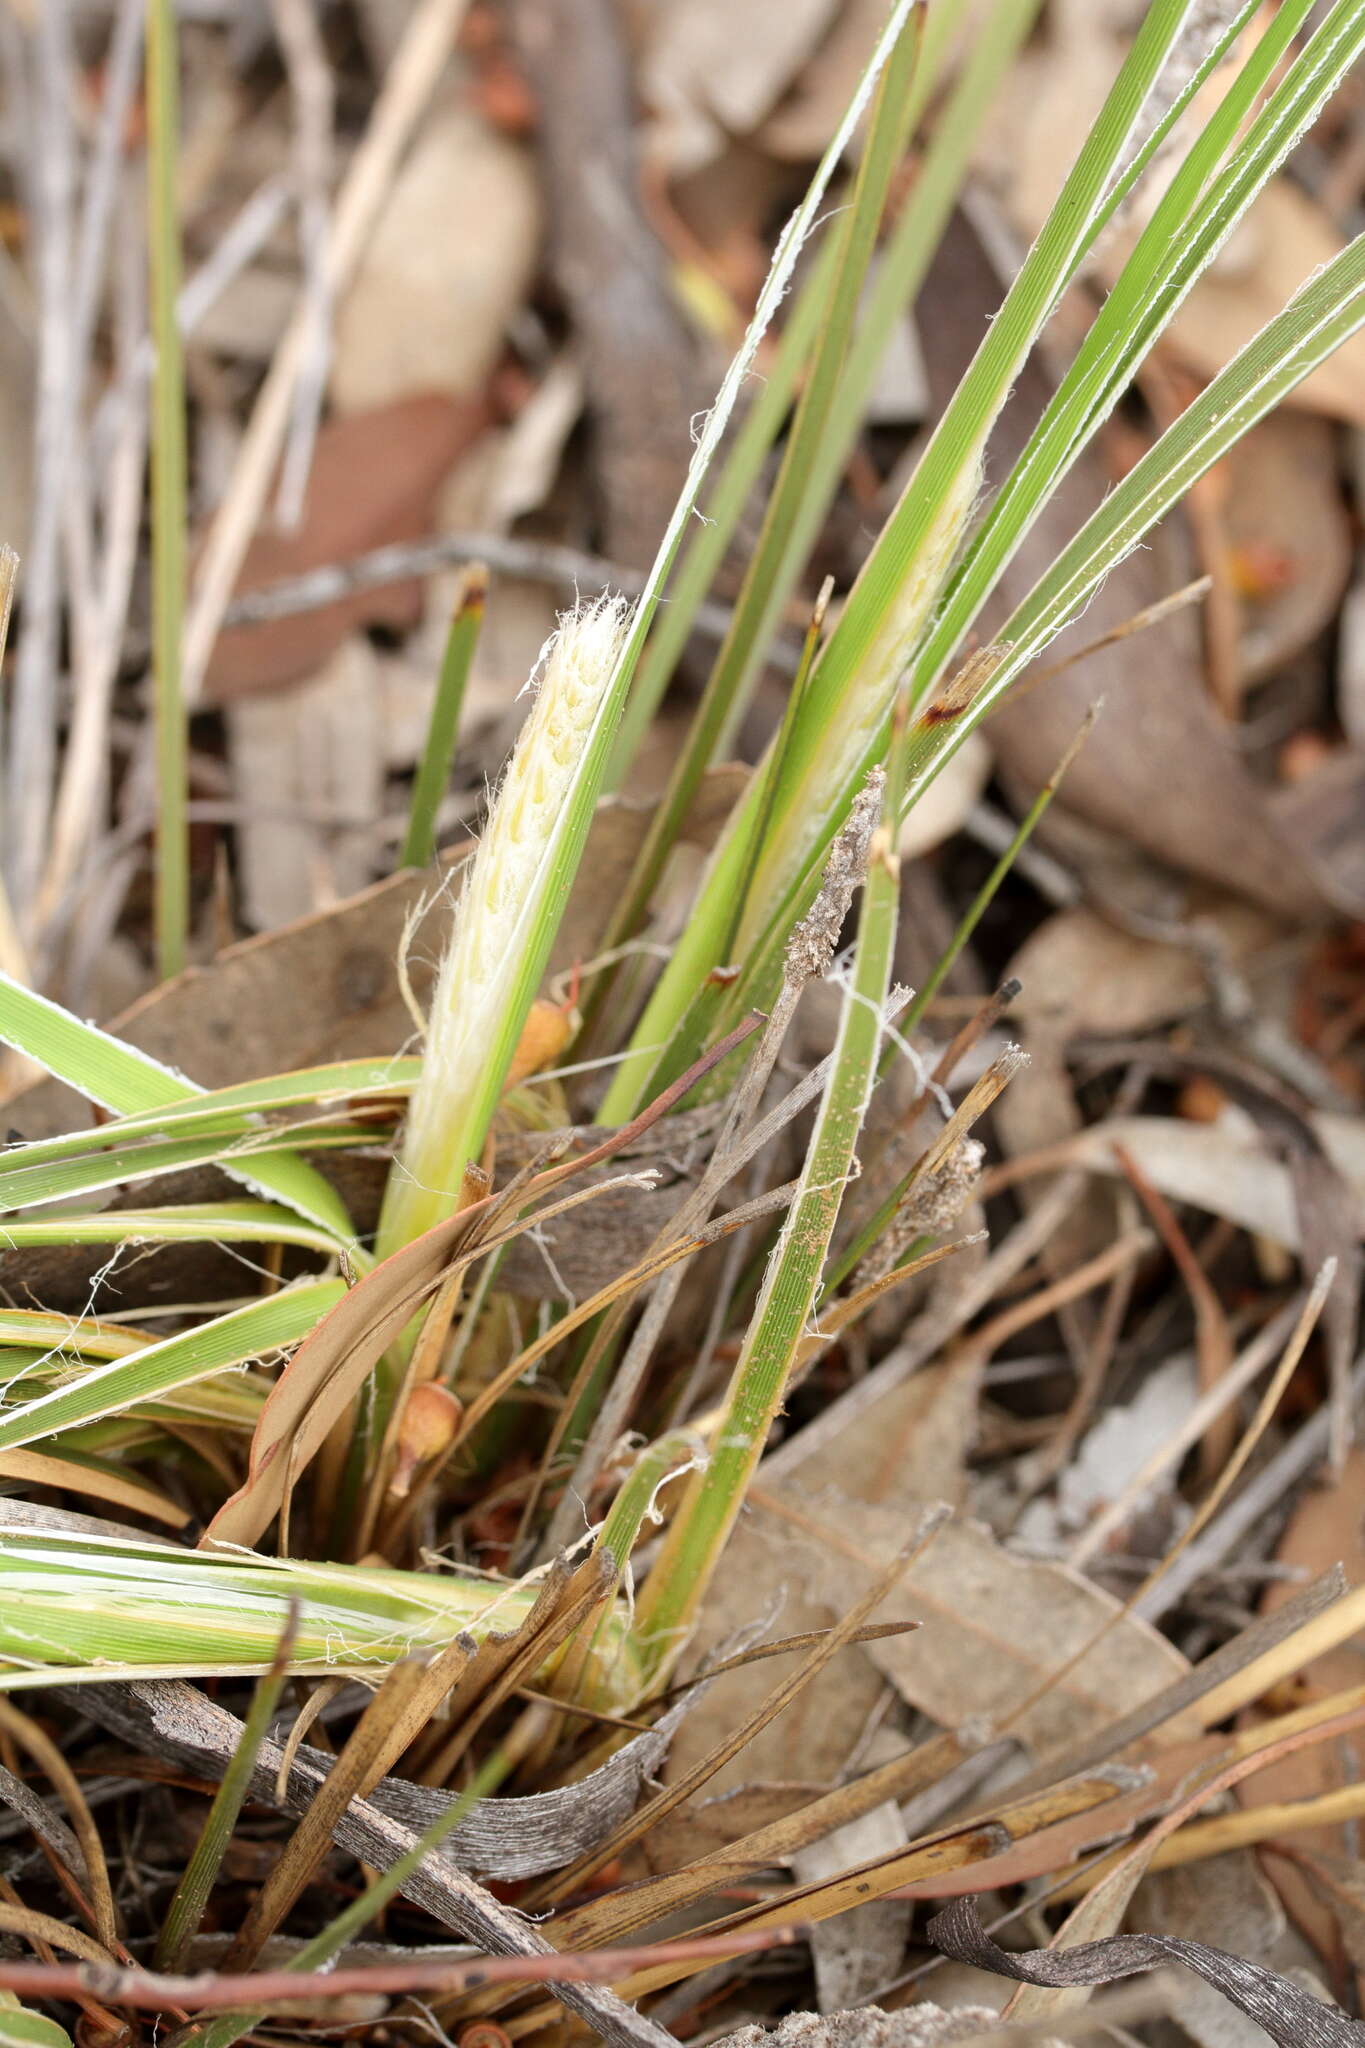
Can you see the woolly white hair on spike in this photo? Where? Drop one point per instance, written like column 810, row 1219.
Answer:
column 503, row 885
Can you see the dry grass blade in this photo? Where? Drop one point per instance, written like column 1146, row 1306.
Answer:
column 1289, row 2014
column 42, row 1928
column 1213, row 1339
column 487, row 1482
column 566, row 1601
column 330, row 1368
column 781, row 1696
column 26, row 1732
column 95, row 1481
column 185, row 1913
column 948, row 1849
column 408, row 1695
column 902, row 1778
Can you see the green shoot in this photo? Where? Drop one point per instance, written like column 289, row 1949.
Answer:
column 438, row 754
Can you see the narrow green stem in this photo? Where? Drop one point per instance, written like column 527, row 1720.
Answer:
column 776, row 560
column 986, row 894
column 169, row 493
column 438, row 754
column 701, row 1527
column 230, row 2027
column 186, row 1910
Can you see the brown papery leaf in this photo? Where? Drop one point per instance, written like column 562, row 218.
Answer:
column 374, row 482
column 1289, row 2015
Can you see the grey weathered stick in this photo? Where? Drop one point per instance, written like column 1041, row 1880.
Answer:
column 568, row 569
column 310, row 88
column 171, row 1718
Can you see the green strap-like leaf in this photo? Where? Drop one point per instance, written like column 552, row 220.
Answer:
column 157, row 1369
column 119, row 1077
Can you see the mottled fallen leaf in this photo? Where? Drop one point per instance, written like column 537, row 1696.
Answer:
column 1284, row 518
column 1000, row 1629
column 1225, row 1167
column 310, row 764
column 449, row 262
column 710, row 72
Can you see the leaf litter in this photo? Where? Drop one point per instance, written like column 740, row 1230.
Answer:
column 941, row 1660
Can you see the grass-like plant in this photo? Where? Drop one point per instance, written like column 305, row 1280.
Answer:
column 304, row 1386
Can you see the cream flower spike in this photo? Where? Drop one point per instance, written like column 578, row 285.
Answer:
column 504, row 886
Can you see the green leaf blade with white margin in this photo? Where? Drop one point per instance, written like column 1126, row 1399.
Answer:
column 156, row 1370
column 1200, row 208
column 195, row 1223
column 119, row 1077
column 30, row 1187
column 1323, row 314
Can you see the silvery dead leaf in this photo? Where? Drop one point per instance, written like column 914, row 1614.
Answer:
column 1290, row 2016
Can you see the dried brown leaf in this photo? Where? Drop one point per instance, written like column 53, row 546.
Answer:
column 1289, row 2015
column 374, row 481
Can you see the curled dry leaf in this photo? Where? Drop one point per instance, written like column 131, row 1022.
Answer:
column 157, row 1714
column 1226, row 1902
column 1291, row 2016
column 509, row 1837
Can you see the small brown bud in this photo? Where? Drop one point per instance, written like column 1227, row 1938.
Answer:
column 431, row 1417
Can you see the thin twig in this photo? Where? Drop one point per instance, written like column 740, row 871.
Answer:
column 567, row 569
column 80, row 805
column 404, row 97
column 33, row 717
column 206, row 1991
column 310, row 86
